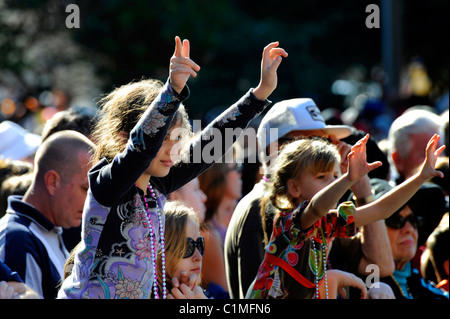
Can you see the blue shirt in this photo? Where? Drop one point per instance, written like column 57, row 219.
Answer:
column 409, row 284
column 32, row 246
column 6, row 274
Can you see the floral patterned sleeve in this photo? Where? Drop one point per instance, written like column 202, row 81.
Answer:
column 109, row 181
column 287, row 226
column 213, row 142
column 339, row 224
column 150, row 131
column 342, row 223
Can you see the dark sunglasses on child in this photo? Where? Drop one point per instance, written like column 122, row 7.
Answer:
column 192, row 244
column 397, row 221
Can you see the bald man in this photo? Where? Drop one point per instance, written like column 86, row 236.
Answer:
column 30, row 232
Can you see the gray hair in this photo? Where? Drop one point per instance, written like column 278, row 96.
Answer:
column 413, row 121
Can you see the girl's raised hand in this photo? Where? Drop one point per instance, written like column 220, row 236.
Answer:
column 181, row 65
column 357, row 160
column 271, row 59
column 428, row 169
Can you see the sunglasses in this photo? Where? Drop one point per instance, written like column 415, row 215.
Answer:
column 192, row 244
column 397, row 222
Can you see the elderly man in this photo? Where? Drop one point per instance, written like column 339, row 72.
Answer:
column 30, row 232
column 408, row 138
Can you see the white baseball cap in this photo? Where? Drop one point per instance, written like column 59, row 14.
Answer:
column 16, row 143
column 299, row 114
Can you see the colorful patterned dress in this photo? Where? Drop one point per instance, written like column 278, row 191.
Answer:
column 289, row 266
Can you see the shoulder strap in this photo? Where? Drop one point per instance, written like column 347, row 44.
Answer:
column 289, row 269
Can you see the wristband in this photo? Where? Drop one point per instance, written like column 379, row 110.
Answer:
column 364, row 200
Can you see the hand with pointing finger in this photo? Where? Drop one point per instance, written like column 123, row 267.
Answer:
column 181, row 65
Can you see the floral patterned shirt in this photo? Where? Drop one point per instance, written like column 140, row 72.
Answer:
column 294, row 247
column 114, row 259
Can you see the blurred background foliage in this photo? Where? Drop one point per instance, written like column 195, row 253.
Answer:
column 122, row 41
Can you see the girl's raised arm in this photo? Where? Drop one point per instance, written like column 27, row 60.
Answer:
column 181, row 65
column 390, row 202
column 326, row 199
column 271, row 60
column 214, row 140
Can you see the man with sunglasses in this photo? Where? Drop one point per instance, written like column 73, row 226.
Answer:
column 403, row 232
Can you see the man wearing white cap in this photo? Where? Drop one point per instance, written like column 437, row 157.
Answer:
column 244, row 243
column 291, row 119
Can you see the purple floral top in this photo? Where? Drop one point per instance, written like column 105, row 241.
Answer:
column 114, row 259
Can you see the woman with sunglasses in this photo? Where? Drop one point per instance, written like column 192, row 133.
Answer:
column 184, row 252
column 402, row 229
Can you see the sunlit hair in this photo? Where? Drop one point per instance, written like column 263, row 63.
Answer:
column 119, row 112
column 414, row 121
column 177, row 216
column 305, row 156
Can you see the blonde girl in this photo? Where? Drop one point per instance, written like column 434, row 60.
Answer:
column 184, row 253
column 305, row 187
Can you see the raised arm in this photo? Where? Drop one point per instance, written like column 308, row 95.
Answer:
column 325, row 200
column 390, row 202
column 110, row 182
column 181, row 65
column 219, row 136
column 373, row 237
column 272, row 57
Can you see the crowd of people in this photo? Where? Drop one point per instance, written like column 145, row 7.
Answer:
column 118, row 205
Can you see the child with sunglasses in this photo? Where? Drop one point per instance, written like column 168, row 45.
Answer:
column 184, row 253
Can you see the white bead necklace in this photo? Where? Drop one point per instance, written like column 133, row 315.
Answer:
column 323, row 250
column 153, row 245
